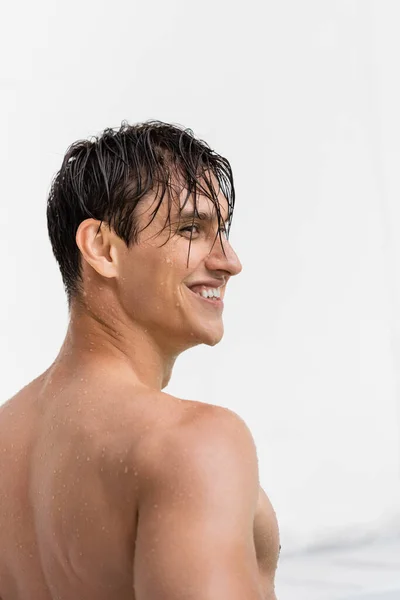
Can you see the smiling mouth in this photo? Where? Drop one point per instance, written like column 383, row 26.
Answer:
column 216, row 302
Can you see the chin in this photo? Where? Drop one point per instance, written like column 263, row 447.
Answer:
column 198, row 333
column 211, row 337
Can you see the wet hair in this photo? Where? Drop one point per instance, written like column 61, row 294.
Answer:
column 106, row 176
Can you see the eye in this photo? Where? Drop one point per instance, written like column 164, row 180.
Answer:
column 189, row 228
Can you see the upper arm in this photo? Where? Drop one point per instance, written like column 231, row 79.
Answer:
column 196, row 514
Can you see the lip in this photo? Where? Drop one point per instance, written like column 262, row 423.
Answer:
column 216, row 304
column 210, row 283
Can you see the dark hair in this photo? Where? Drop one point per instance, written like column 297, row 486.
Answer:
column 106, row 176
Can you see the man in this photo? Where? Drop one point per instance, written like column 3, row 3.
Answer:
column 110, row 488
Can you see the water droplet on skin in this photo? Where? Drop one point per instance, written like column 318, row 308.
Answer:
column 126, row 470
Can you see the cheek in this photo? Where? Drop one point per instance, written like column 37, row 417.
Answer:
column 153, row 279
column 153, row 285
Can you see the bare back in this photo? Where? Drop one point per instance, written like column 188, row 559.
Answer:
column 71, row 465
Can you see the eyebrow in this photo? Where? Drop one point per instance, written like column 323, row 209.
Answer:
column 191, row 214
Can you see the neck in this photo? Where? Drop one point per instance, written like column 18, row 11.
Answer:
column 109, row 340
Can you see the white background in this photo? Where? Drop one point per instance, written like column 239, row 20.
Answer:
column 304, row 100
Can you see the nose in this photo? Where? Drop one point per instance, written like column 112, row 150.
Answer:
column 222, row 257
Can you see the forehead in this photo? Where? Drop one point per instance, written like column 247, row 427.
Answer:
column 208, row 198
column 201, row 206
column 177, row 203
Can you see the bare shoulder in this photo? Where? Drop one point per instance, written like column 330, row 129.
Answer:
column 197, row 421
column 196, row 511
column 201, row 434
column 199, row 414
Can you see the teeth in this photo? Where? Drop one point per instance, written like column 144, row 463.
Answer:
column 211, row 293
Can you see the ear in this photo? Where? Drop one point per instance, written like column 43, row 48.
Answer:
column 98, row 247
